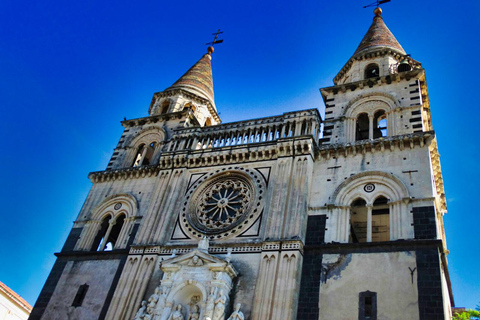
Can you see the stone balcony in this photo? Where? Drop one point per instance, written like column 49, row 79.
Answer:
column 291, row 134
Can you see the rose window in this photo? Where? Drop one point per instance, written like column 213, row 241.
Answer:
column 222, row 204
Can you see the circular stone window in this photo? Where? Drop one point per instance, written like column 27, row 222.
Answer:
column 223, row 204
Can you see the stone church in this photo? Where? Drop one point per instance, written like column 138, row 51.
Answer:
column 285, row 217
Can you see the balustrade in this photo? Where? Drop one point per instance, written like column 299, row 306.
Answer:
column 302, row 123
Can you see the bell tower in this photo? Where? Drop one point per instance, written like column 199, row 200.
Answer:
column 378, row 200
column 379, row 93
column 189, row 102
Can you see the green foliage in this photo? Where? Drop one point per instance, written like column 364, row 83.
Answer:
column 468, row 314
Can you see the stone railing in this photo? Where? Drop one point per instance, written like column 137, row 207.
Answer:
column 263, row 130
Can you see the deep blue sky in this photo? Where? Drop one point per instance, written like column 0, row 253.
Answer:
column 71, row 70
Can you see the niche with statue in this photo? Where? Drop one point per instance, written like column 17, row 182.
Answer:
column 195, row 286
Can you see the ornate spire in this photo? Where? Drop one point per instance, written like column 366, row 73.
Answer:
column 378, row 36
column 198, row 79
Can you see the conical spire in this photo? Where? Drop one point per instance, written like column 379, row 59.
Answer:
column 198, row 79
column 378, row 36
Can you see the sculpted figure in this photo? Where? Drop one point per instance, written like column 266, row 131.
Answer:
column 140, row 315
column 196, row 261
column 203, row 244
column 237, row 314
column 152, row 301
column 165, row 312
column 194, row 313
column 177, row 313
column 210, row 304
column 219, row 311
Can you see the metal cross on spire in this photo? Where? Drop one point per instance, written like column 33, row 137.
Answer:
column 215, row 41
column 377, row 3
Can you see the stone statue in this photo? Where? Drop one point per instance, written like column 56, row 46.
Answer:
column 237, row 314
column 228, row 258
column 140, row 315
column 152, row 301
column 203, row 244
column 177, row 313
column 219, row 311
column 196, row 261
column 208, row 313
column 194, row 313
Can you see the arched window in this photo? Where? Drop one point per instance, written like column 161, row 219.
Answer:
column 144, row 155
column 165, row 106
column 362, row 127
column 358, row 221
column 372, row 71
column 191, row 106
column 138, row 157
column 369, row 223
column 380, row 220
column 208, row 122
column 380, row 122
column 108, row 234
column 101, row 233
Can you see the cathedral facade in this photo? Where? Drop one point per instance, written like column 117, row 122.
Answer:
column 286, row 217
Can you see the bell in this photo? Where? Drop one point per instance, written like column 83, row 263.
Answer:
column 404, row 66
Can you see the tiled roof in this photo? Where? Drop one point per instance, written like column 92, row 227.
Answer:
column 198, row 79
column 378, row 36
column 15, row 297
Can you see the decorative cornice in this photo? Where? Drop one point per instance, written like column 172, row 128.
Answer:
column 374, row 54
column 262, row 151
column 156, row 118
column 437, row 175
column 378, row 145
column 176, row 91
column 371, row 82
column 285, row 245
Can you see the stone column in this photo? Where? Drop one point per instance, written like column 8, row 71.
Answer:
column 88, row 234
column 370, row 127
column 122, row 292
column 147, row 265
column 124, row 233
column 265, row 286
column 151, row 216
column 287, row 284
column 111, row 223
column 369, row 223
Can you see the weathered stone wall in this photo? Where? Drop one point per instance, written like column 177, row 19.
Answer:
column 344, row 276
column 98, row 274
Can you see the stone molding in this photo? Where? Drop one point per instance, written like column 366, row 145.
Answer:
column 437, row 175
column 287, row 147
column 399, row 189
column 252, row 208
column 287, row 245
column 377, row 97
column 374, row 54
column 377, row 145
column 127, row 199
column 156, row 118
column 188, row 95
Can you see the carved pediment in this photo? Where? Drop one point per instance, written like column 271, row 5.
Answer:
column 200, row 260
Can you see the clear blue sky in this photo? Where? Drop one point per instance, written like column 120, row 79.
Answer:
column 71, row 70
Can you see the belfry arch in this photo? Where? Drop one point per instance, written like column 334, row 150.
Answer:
column 110, row 222
column 363, row 194
column 370, row 116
